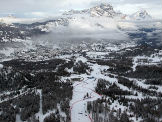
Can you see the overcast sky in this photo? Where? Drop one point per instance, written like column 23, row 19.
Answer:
column 45, row 8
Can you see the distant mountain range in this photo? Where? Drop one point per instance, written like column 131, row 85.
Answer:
column 102, row 10
column 106, row 10
column 102, row 17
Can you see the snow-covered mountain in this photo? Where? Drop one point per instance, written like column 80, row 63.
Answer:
column 97, row 20
column 141, row 15
column 103, row 9
column 107, row 10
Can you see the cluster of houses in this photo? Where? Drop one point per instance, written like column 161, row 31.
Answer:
column 36, row 55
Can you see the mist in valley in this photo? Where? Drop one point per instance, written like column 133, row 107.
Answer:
column 83, row 30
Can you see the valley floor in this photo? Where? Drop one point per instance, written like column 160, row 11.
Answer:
column 95, row 85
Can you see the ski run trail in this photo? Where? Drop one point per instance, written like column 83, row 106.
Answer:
column 84, row 91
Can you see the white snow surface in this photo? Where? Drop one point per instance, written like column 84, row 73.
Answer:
column 7, row 51
column 1, row 66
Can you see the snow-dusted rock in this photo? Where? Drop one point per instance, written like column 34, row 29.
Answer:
column 141, row 15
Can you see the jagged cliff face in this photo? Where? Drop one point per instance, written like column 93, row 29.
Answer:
column 141, row 15
column 106, row 10
column 100, row 10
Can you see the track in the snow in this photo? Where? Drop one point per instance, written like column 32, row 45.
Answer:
column 81, row 100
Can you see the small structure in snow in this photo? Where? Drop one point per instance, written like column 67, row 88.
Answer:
column 76, row 79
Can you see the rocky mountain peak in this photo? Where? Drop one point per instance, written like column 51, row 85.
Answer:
column 141, row 15
column 102, row 9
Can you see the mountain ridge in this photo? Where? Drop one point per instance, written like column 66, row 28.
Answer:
column 141, row 15
column 101, row 10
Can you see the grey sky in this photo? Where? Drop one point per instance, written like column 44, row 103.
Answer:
column 44, row 8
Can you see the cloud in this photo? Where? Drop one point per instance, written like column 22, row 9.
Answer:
column 79, row 29
column 40, row 14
